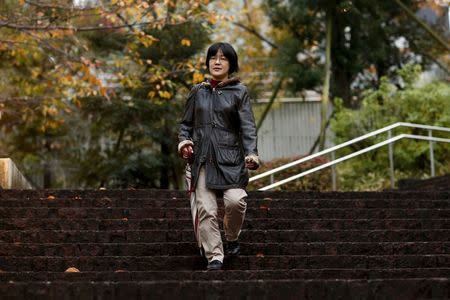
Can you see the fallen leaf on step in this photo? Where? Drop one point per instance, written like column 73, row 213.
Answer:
column 120, row 271
column 51, row 197
column 72, row 270
column 259, row 254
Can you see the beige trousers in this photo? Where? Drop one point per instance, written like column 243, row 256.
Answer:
column 208, row 228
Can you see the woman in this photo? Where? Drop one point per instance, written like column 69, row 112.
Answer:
column 218, row 139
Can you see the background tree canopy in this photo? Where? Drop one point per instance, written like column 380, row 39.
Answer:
column 91, row 95
column 363, row 43
column 91, row 91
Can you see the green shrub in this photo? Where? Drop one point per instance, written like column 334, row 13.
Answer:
column 428, row 104
column 317, row 181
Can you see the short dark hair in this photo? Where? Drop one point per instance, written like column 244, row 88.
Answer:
column 228, row 51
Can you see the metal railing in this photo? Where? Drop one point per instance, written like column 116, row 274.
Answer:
column 334, row 161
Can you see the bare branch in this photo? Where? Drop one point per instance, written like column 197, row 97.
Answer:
column 249, row 19
column 77, row 29
column 257, row 34
column 46, row 44
column 11, row 42
column 61, row 7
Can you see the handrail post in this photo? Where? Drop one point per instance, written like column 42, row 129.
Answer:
column 333, row 173
column 391, row 160
column 433, row 173
column 271, row 178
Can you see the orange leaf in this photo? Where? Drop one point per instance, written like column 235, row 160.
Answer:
column 186, row 42
column 72, row 270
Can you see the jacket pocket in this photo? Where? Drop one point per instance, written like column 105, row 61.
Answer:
column 229, row 156
column 226, row 138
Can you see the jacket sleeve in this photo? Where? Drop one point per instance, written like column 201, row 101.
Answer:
column 187, row 122
column 248, row 127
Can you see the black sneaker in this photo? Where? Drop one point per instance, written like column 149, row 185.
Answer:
column 215, row 265
column 233, row 248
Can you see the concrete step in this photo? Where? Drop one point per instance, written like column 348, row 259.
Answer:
column 280, row 274
column 172, row 263
column 249, row 223
column 251, row 203
column 186, row 248
column 414, row 288
column 139, row 244
column 249, row 236
column 180, row 213
column 170, row 194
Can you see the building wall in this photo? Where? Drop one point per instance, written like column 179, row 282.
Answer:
column 290, row 129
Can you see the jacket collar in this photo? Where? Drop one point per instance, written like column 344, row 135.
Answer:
column 229, row 81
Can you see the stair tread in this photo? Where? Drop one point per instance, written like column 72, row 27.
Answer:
column 247, row 248
column 280, row 274
column 274, row 203
column 270, row 213
column 141, row 263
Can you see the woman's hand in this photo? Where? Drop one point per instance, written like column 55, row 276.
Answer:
column 187, row 153
column 251, row 164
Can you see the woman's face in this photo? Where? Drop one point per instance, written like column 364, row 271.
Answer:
column 219, row 66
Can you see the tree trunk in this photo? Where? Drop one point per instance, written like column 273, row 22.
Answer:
column 326, row 83
column 47, row 180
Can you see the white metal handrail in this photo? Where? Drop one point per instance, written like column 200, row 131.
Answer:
column 389, row 142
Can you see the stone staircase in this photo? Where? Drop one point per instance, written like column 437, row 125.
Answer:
column 139, row 244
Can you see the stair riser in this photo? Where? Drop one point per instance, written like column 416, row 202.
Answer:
column 249, row 236
column 228, row 275
column 249, row 223
column 165, row 194
column 316, row 289
column 54, row 264
column 183, row 213
column 181, row 249
column 252, row 203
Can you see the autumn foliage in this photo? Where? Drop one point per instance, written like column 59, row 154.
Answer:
column 91, row 90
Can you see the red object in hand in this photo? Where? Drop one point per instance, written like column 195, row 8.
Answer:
column 187, row 153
